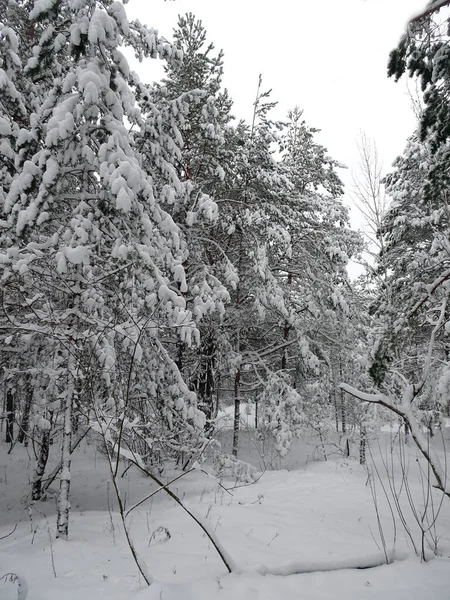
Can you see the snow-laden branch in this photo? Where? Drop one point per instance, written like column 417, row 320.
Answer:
column 404, row 410
column 431, row 8
column 372, row 398
column 270, row 350
column 431, row 288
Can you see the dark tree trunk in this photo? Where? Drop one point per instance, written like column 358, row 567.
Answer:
column 36, row 490
column 334, row 394
column 9, row 417
column 347, row 447
column 204, row 381
column 343, row 415
column 336, row 416
column 407, row 430
column 362, row 445
column 237, row 376
column 237, row 413
column 286, row 329
column 179, row 360
column 343, row 407
column 22, row 436
column 216, row 408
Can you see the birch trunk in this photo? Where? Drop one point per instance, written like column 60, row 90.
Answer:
column 63, row 508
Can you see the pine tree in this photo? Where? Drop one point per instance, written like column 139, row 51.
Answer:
column 410, row 354
column 424, row 53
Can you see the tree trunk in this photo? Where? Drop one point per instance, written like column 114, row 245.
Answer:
column 407, row 430
column 9, row 417
column 204, row 382
column 362, row 445
column 286, row 329
column 336, row 415
column 334, row 395
column 237, row 413
column 36, row 489
column 216, row 408
column 343, row 407
column 51, row 478
column 179, row 359
column 343, row 414
column 347, row 448
column 22, row 437
column 322, row 445
column 63, row 508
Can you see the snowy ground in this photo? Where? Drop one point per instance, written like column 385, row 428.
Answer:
column 319, row 516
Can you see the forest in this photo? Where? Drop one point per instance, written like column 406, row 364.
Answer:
column 179, row 329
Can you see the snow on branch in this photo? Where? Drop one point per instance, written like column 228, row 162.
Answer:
column 372, row 398
column 431, row 288
column 431, row 8
column 404, row 410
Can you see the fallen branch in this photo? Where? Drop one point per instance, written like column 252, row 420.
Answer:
column 226, row 558
column 163, row 487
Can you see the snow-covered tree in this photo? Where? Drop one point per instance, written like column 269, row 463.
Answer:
column 90, row 260
column 424, row 53
column 198, row 109
column 410, row 351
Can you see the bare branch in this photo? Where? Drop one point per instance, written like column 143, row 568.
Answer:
column 10, row 533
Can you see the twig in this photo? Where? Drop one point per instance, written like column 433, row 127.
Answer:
column 156, row 491
column 8, row 534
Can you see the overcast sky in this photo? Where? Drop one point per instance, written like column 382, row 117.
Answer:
column 327, row 56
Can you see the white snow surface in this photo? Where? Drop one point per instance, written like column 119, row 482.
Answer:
column 316, row 518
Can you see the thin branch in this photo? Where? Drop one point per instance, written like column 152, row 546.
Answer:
column 8, row 534
column 163, row 487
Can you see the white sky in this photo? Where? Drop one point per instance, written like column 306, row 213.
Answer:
column 327, row 56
